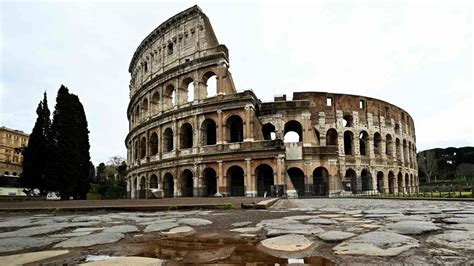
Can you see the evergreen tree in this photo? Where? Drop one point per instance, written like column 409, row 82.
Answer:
column 69, row 163
column 35, row 155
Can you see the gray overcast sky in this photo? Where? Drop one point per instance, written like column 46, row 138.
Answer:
column 415, row 55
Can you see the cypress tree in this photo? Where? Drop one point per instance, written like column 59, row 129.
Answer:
column 68, row 167
column 35, row 155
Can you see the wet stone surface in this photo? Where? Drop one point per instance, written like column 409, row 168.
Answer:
column 312, row 230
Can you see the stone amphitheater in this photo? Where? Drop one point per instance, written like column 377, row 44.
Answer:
column 192, row 134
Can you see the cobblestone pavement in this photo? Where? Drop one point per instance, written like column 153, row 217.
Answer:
column 307, row 230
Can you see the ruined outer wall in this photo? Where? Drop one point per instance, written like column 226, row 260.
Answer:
column 185, row 141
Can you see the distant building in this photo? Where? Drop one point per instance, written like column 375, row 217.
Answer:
column 11, row 159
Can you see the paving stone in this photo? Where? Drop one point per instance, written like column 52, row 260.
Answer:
column 287, row 246
column 121, row 229
column 335, row 236
column 91, row 240
column 376, row 243
column 459, row 220
column 454, row 239
column 21, row 243
column 88, row 229
column 20, row 259
column 411, row 227
column 272, row 222
column 71, row 234
column 443, row 252
column 159, row 227
column 180, row 230
column 126, row 261
column 285, row 229
column 464, row 227
column 241, row 224
column 246, row 230
column 322, row 221
column 330, row 215
column 194, row 221
column 300, row 217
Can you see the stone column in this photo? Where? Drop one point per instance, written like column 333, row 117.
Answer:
column 220, row 127
column 221, row 186
column 248, row 135
column 308, row 134
column 175, row 135
column 385, row 182
column 248, row 178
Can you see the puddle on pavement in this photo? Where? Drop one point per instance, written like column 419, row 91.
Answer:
column 197, row 250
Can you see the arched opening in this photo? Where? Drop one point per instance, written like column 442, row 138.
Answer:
column 297, row 179
column 186, row 136
column 142, row 193
column 208, row 132
column 235, row 129
column 380, row 185
column 351, row 183
column 363, row 137
column 388, row 144
column 412, row 183
column 347, row 120
column 321, row 181
column 237, row 185
column 269, row 132
column 293, row 132
column 153, row 181
column 398, row 149
column 397, row 129
column 187, row 183
column 348, row 138
column 391, row 182
column 153, row 144
column 331, row 137
column 318, row 137
column 169, row 96
column 155, row 102
column 168, row 185
column 209, row 182
column 264, row 178
column 405, row 153
column 366, row 180
column 400, row 182
column 137, row 114
column 187, row 90
column 136, row 150
column 170, row 48
column 145, row 109
column 135, row 190
column 210, row 81
column 168, row 140
column 377, row 143
column 142, row 148
column 407, row 183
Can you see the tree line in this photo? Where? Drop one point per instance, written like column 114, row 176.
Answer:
column 57, row 157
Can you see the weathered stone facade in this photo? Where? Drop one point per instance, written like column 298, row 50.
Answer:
column 189, row 143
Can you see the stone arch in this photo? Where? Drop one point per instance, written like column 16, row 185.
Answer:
column 210, row 82
column 187, row 90
column 400, row 181
column 142, row 193
column 168, row 140
column 391, row 182
column 380, row 182
column 208, row 132
column 235, row 129
column 296, row 176
column 142, row 148
column 137, row 114
column 186, row 136
column 350, row 182
column 321, row 181
column 168, row 185
column 405, row 152
column 237, row 184
column 153, row 181
column 264, row 179
column 348, row 142
column 209, row 182
column 135, row 187
column 153, row 144
column 136, row 150
column 187, row 183
column 144, row 109
column 291, row 129
column 407, row 182
column 155, row 102
column 269, row 131
column 398, row 149
column 388, row 144
column 397, row 128
column 366, row 178
column 169, row 97
column 377, row 143
column 348, row 120
column 363, row 140
column 331, row 137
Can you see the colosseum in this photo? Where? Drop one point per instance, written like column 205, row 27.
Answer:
column 192, row 134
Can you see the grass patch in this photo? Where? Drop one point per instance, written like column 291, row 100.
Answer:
column 226, row 206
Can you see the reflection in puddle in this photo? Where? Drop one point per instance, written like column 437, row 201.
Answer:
column 199, row 250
